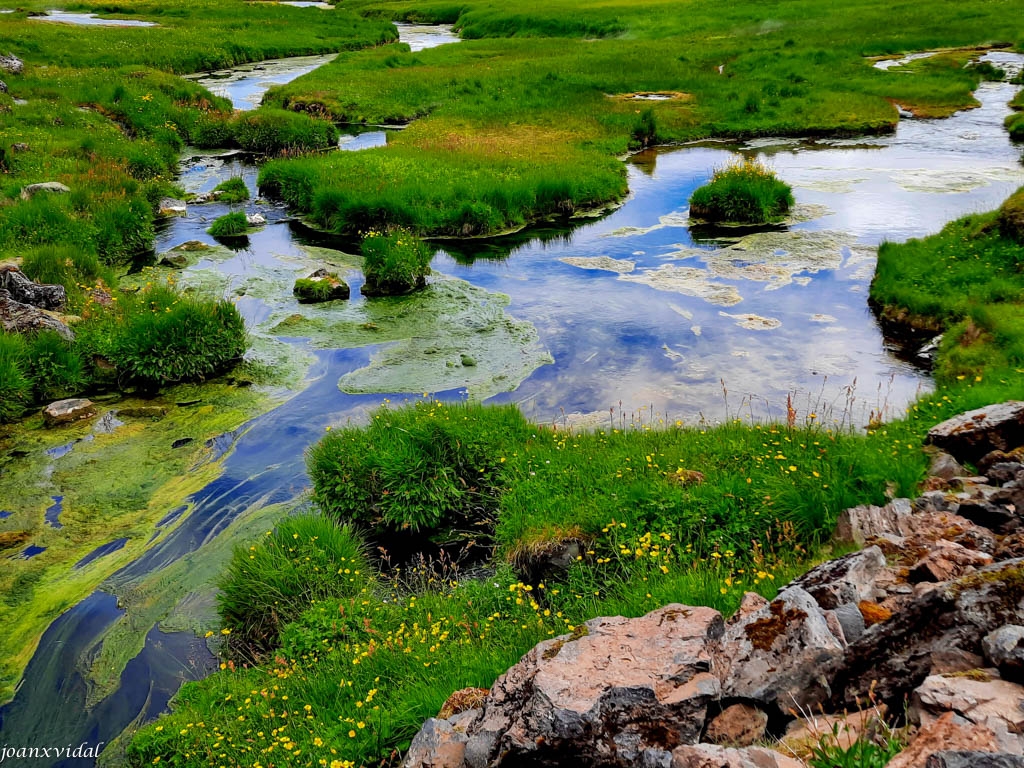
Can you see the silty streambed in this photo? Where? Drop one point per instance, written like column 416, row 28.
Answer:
column 629, row 307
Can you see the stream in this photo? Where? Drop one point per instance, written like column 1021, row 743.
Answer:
column 633, row 311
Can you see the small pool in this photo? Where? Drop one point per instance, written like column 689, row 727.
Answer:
column 90, row 20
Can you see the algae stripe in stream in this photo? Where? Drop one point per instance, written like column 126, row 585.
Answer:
column 116, row 485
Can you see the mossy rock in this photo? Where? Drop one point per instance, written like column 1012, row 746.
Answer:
column 320, row 286
column 1011, row 217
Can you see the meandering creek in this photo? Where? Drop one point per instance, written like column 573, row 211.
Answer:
column 634, row 307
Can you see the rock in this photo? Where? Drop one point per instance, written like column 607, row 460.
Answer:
column 738, row 725
column 441, row 743
column 849, row 579
column 712, row 756
column 461, row 701
column 53, row 187
column 751, row 602
column 11, row 64
column 16, row 317
column 998, row 457
column 20, row 146
column 320, row 286
column 67, row 411
column 946, row 662
column 858, row 524
column 255, row 219
column 945, row 466
column 29, row 292
column 872, row 613
column 895, row 657
column 1004, row 472
column 928, row 351
column 782, row 655
column 1004, row 648
column 850, row 620
column 989, row 702
column 946, row 560
column 972, row 435
column 841, row 730
column 948, row 733
column 977, row 538
column 3, row 89
column 1010, row 547
column 615, row 692
column 962, row 759
column 171, row 207
column 989, row 515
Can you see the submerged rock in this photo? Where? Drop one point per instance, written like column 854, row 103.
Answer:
column 53, row 187
column 67, row 411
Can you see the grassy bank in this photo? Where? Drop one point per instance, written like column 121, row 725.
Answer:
column 542, row 87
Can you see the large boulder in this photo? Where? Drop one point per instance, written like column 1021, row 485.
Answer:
column 972, row 435
column 29, row 292
column 53, row 187
column 16, row 317
column 782, row 655
column 615, row 692
column 849, row 579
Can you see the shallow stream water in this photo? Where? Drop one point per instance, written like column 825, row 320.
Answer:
column 634, row 308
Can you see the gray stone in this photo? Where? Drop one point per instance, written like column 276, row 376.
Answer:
column 11, row 64
column 1004, row 472
column 858, row 524
column 1004, row 648
column 255, row 219
column 171, row 207
column 945, row 466
column 851, row 620
column 16, row 317
column 848, row 579
column 989, row 515
column 53, row 187
column 782, row 655
column 29, row 292
column 67, row 411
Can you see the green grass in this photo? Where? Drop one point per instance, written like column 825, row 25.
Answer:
column 232, row 191
column 229, row 225
column 743, row 193
column 542, row 84
column 15, row 384
column 965, row 282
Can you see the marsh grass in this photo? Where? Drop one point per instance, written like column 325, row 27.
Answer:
column 394, row 263
column 744, row 192
column 15, row 385
column 232, row 191
column 305, row 560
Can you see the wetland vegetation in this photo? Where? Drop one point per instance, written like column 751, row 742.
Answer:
column 447, row 537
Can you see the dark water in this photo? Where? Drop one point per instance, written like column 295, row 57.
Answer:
column 634, row 307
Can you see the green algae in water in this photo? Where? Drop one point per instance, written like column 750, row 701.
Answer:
column 429, row 336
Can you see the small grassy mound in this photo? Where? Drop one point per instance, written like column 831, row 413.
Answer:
column 1015, row 126
column 273, row 131
column 429, row 467
column 1011, row 217
column 395, row 263
column 306, row 560
column 745, row 192
column 229, row 225
column 232, row 191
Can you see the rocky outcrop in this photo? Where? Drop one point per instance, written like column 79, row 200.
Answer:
column 926, row 619
column 53, row 297
column 971, row 435
column 67, row 411
column 53, row 187
column 612, row 693
column 169, row 206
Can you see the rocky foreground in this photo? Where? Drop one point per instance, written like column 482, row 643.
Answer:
column 921, row 629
